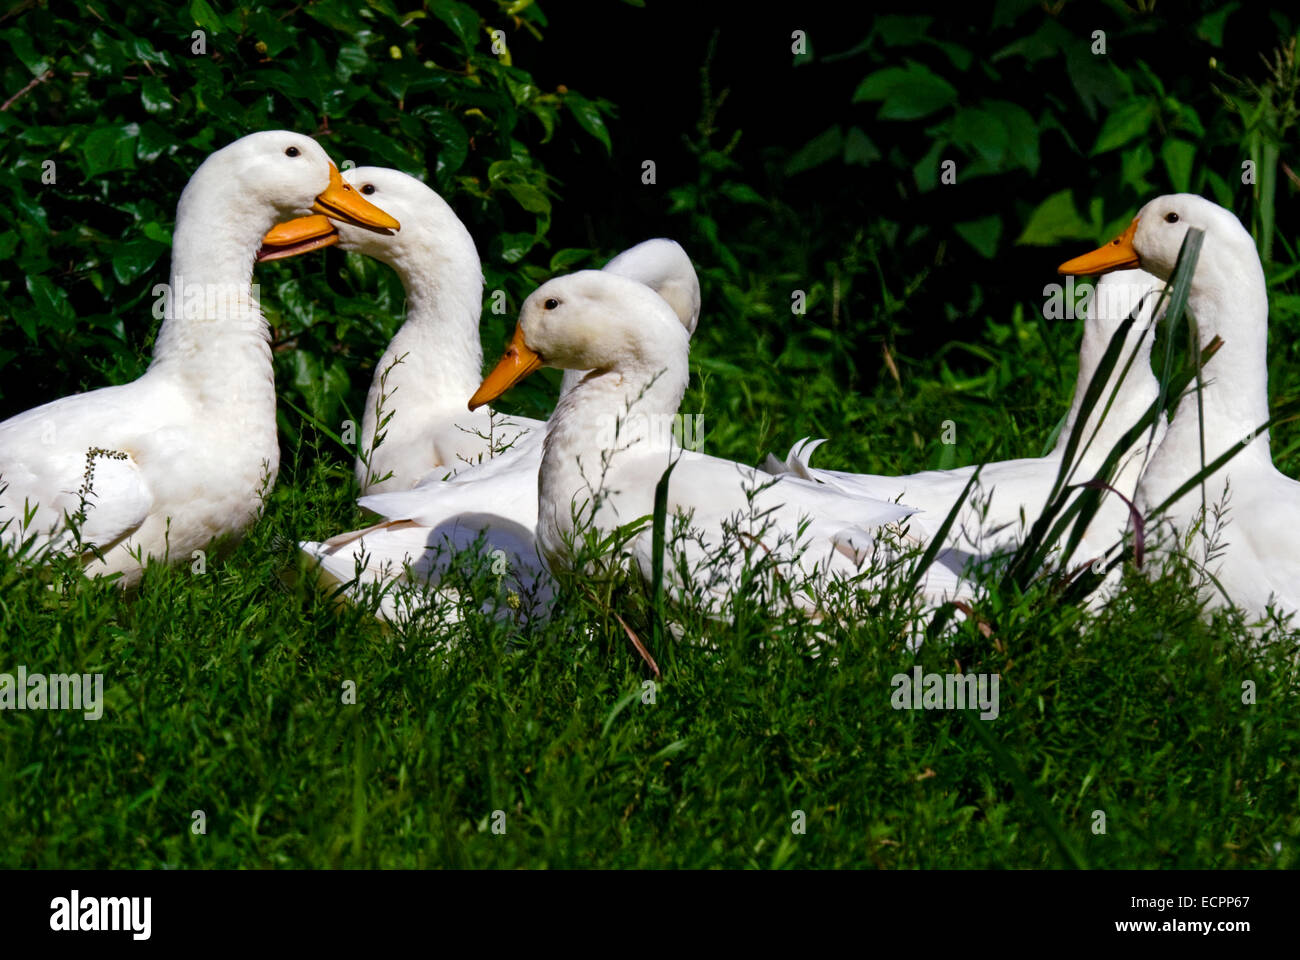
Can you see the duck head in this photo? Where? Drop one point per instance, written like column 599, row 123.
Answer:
column 590, row 320
column 290, row 175
column 1155, row 236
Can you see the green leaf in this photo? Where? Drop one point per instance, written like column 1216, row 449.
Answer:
column 1178, row 156
column 1022, row 133
column 462, row 20
column 589, row 118
column 982, row 234
column 980, row 132
column 959, row 56
column 50, row 299
column 858, row 148
column 153, row 141
column 1054, row 220
column 338, row 15
column 207, row 18
column 568, row 258
column 926, row 171
column 352, row 59
column 1046, row 41
column 156, row 231
column 1223, row 192
column 1210, row 27
column 907, row 93
column 110, row 148
column 529, row 197
column 1129, row 122
column 132, row 259
column 453, row 141
column 1006, row 12
column 825, row 146
column 322, row 387
column 1135, row 163
column 900, row 31
column 21, row 44
column 741, row 193
column 155, row 97
column 515, row 246
column 266, row 28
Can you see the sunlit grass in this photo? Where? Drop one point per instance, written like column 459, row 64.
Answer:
column 225, row 694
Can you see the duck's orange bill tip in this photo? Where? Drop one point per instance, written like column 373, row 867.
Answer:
column 1116, row 255
column 297, row 236
column 518, row 362
column 341, row 202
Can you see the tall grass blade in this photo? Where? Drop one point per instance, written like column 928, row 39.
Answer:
column 658, row 539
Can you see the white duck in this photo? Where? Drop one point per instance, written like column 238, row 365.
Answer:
column 435, row 359
column 1256, row 560
column 496, row 499
column 1010, row 494
column 605, row 448
column 163, row 466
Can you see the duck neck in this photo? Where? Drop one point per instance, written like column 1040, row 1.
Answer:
column 620, row 411
column 571, row 379
column 1229, row 300
column 439, row 339
column 1133, row 390
column 209, row 300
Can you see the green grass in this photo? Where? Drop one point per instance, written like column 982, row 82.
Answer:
column 224, row 693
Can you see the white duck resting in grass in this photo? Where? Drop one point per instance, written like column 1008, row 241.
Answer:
column 605, row 452
column 163, row 466
column 1255, row 560
column 496, row 499
column 436, row 358
column 1010, row 494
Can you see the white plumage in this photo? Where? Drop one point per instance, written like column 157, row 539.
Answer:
column 1010, row 494
column 163, row 466
column 1255, row 560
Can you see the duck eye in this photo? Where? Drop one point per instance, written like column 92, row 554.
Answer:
column 550, row 304
column 368, row 189
column 291, row 152
column 1171, row 218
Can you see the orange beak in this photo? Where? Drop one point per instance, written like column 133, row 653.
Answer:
column 518, row 362
column 298, row 236
column 341, row 202
column 1116, row 255
column 338, row 202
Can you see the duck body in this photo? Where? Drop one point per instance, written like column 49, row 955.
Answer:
column 181, row 457
column 604, row 455
column 163, row 486
column 1010, row 494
